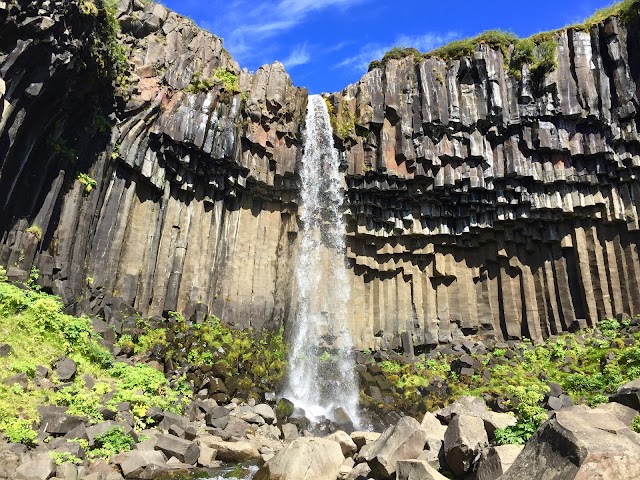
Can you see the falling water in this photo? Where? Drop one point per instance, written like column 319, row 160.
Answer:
column 321, row 372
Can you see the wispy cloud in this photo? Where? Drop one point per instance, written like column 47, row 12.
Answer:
column 298, row 56
column 248, row 24
column 375, row 51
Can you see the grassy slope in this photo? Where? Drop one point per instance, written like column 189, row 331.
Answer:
column 33, row 324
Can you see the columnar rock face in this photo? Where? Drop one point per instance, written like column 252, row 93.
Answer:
column 477, row 202
column 481, row 203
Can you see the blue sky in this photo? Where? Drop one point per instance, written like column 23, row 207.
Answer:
column 327, row 44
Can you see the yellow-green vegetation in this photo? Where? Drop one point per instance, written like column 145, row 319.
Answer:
column 537, row 51
column 62, row 149
column 36, row 231
column 87, row 181
column 343, row 122
column 635, row 425
column 224, row 79
column 108, row 51
column 256, row 361
column 588, row 370
column 39, row 333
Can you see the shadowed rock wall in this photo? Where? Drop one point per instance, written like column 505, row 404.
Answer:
column 478, row 203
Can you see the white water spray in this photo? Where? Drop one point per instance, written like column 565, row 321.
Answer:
column 321, row 373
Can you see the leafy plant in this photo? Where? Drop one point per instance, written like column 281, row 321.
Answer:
column 65, row 457
column 87, row 181
column 36, row 231
column 112, row 442
column 19, row 431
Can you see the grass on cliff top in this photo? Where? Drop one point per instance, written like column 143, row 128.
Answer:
column 626, row 10
column 588, row 365
column 33, row 324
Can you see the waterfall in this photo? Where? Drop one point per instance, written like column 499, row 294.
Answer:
column 321, row 372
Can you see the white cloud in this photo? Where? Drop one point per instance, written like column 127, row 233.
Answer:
column 299, row 56
column 375, row 51
column 248, row 24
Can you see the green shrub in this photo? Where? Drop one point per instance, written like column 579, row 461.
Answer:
column 112, row 442
column 36, row 231
column 65, row 457
column 635, row 425
column 19, row 431
column 88, row 182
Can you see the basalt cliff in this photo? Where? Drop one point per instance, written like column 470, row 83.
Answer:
column 479, row 202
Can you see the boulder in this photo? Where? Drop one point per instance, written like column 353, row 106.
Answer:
column 346, row 443
column 266, row 412
column 184, row 450
column 304, row 458
column 101, row 428
column 579, row 443
column 345, row 468
column 55, row 421
column 66, row 369
column 495, row 420
column 289, row 432
column 629, row 394
column 360, row 472
column 21, row 379
column 473, row 406
column 237, row 428
column 621, row 412
column 495, row 461
column 463, row 442
column 5, row 350
column 39, row 466
column 236, row 452
column 404, row 441
column 134, row 462
column 364, row 438
column 417, row 470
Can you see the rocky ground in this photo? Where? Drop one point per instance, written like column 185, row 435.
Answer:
column 576, row 442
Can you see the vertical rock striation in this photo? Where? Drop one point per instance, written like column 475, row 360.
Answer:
column 479, row 203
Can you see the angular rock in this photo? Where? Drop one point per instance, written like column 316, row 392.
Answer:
column 66, row 369
column 495, row 461
column 473, row 406
column 266, row 412
column 184, row 450
column 579, row 443
column 39, row 466
column 236, row 452
column 464, row 440
column 55, row 421
column 404, row 441
column 417, row 470
column 495, row 420
column 347, row 445
column 628, row 395
column 133, row 463
column 623, row 413
column 304, row 458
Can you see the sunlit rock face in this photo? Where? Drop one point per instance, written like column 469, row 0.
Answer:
column 477, row 203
